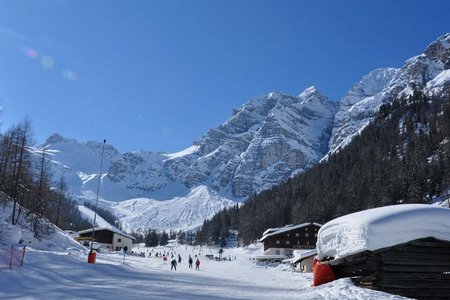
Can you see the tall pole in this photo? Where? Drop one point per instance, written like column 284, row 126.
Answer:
column 96, row 200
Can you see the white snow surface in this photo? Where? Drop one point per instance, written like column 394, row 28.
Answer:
column 382, row 227
column 436, row 85
column 180, row 213
column 88, row 214
column 49, row 274
column 56, row 268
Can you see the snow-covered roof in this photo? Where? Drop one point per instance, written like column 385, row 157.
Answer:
column 302, row 254
column 115, row 230
column 270, row 257
column 275, row 231
column 382, row 227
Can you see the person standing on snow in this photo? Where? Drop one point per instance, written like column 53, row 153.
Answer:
column 197, row 264
column 179, row 258
column 174, row 264
column 190, row 262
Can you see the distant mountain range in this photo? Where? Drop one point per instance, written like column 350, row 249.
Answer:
column 265, row 141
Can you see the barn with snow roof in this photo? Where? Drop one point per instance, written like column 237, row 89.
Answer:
column 400, row 249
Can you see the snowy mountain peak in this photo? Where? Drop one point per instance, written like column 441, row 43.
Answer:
column 439, row 48
column 309, row 91
column 312, row 96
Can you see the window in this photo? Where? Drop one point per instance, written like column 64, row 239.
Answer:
column 306, row 234
column 297, row 234
column 287, row 242
column 277, row 252
column 315, row 234
column 277, row 242
column 288, row 235
column 119, row 240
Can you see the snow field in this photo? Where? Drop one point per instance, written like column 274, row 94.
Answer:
column 67, row 275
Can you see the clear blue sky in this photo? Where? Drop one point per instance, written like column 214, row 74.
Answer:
column 156, row 75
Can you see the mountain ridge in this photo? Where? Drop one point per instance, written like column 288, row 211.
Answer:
column 265, row 141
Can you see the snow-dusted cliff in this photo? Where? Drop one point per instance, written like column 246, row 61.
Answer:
column 264, row 142
column 426, row 72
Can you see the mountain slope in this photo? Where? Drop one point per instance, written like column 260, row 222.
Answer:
column 265, row 141
column 357, row 109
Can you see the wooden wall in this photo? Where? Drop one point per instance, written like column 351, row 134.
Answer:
column 419, row 269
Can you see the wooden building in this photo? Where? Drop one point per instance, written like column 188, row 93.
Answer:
column 110, row 239
column 418, row 269
column 283, row 241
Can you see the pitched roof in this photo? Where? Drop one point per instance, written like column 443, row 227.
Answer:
column 275, row 231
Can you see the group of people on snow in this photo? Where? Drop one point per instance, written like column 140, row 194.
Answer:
column 174, row 263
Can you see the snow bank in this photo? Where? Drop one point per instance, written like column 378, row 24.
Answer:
column 9, row 234
column 382, row 227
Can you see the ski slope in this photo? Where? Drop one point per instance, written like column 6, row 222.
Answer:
column 67, row 275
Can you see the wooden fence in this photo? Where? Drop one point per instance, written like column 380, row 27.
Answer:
column 12, row 257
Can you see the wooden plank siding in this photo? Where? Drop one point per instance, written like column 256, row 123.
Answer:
column 419, row 269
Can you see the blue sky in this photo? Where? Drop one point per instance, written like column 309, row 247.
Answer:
column 156, row 75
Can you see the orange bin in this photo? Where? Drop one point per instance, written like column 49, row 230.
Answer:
column 91, row 257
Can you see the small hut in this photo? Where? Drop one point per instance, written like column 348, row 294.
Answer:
column 401, row 249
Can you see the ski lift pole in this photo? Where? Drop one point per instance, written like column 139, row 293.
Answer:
column 91, row 257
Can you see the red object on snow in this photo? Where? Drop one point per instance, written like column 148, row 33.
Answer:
column 322, row 273
column 91, row 257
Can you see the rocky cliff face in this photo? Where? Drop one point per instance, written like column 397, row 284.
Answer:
column 265, row 141
column 357, row 109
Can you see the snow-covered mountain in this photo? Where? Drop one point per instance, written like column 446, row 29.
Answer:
column 427, row 71
column 356, row 109
column 264, row 142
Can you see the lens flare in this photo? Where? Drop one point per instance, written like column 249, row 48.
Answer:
column 47, row 62
column 69, row 75
column 29, row 52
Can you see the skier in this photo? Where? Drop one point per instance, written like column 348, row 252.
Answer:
column 190, row 262
column 179, row 258
column 197, row 264
column 174, row 264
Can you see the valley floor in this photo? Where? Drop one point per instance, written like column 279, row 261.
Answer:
column 67, row 275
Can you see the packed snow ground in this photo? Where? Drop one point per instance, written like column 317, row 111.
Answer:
column 67, row 275
column 56, row 268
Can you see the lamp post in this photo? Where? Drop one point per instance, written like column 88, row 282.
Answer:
column 92, row 254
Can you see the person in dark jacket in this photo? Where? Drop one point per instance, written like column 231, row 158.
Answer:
column 190, row 262
column 174, row 264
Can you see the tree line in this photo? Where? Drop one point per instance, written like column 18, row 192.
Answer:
column 27, row 183
column 153, row 238
column 403, row 156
